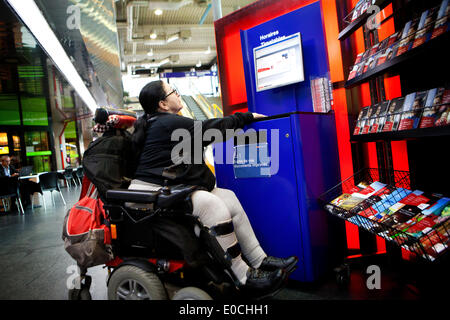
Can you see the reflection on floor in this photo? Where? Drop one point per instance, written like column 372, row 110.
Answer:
column 35, row 266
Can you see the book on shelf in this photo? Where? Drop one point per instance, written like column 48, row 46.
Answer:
column 379, row 123
column 412, row 110
column 432, row 104
column 373, row 125
column 394, row 114
column 358, row 58
column 360, row 121
column 391, row 52
column 441, row 24
column 356, row 12
column 407, row 38
column 433, row 243
column 425, row 27
column 335, row 206
column 361, row 195
column 407, row 114
column 381, row 208
column 430, row 217
column 443, row 111
column 378, row 196
column 408, row 208
column 368, row 119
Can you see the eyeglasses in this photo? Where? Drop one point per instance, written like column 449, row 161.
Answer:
column 173, row 91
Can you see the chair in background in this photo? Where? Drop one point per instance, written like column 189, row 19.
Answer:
column 80, row 174
column 68, row 176
column 9, row 189
column 49, row 182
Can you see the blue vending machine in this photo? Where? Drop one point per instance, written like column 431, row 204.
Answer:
column 280, row 165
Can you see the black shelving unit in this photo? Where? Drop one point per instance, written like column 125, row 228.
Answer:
column 443, row 131
column 420, row 69
column 433, row 49
column 358, row 22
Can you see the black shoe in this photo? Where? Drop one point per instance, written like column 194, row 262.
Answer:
column 263, row 282
column 272, row 263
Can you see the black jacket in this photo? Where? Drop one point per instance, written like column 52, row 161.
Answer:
column 157, row 149
column 12, row 170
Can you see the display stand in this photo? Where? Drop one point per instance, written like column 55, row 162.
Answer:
column 430, row 245
column 419, row 69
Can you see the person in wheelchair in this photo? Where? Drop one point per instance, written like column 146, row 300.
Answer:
column 216, row 208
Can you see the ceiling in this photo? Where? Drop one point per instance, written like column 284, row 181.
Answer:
column 185, row 31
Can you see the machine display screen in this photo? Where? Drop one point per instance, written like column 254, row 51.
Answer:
column 279, row 63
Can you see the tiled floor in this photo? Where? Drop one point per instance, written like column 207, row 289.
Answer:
column 35, row 266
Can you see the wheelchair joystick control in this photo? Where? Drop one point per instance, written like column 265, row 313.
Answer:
column 165, row 190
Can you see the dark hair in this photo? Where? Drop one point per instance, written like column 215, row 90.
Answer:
column 149, row 98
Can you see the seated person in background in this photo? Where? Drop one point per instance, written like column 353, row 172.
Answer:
column 218, row 209
column 26, row 187
column 7, row 169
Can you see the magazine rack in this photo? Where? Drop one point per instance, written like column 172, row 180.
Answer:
column 429, row 246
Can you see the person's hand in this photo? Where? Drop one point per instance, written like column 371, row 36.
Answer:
column 257, row 115
column 14, row 174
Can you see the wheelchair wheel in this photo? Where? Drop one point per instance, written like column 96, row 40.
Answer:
column 191, row 293
column 133, row 283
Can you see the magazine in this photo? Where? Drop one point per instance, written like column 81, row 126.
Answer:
column 428, row 219
column 441, row 24
column 433, row 99
column 360, row 122
column 372, row 200
column 433, row 243
column 411, row 119
column 393, row 115
column 361, row 195
column 378, row 125
column 407, row 37
column 368, row 120
column 373, row 128
column 425, row 27
column 442, row 111
column 380, row 209
column 409, row 207
column 338, row 202
column 407, row 114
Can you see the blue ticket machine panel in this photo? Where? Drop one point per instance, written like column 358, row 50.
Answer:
column 278, row 178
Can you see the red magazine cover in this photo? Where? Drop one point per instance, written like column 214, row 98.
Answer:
column 426, row 26
column 407, row 36
column 432, row 104
column 393, row 115
column 361, row 119
column 441, row 24
column 443, row 110
column 406, row 121
column 367, row 122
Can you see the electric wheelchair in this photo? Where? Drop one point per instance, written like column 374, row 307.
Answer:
column 161, row 251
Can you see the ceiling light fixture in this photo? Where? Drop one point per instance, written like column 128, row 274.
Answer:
column 208, row 51
column 32, row 17
column 153, row 35
column 158, row 12
column 199, row 64
column 150, row 53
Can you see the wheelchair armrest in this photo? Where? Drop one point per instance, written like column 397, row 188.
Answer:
column 137, row 196
column 177, row 193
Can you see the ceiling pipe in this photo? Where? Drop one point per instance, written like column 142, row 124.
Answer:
column 217, row 9
column 205, row 14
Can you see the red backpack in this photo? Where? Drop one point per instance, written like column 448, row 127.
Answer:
column 86, row 233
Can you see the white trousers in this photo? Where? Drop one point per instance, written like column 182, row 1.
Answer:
column 221, row 206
